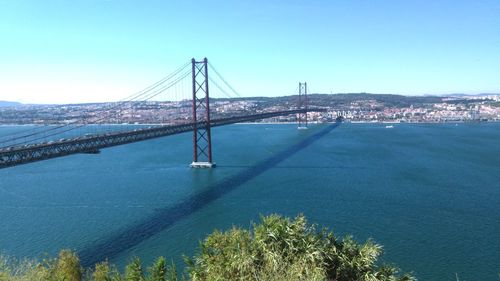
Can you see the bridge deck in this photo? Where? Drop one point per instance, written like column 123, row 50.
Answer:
column 13, row 156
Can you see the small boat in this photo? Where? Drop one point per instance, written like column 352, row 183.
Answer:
column 389, row 126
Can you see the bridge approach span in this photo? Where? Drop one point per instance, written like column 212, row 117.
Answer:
column 13, row 156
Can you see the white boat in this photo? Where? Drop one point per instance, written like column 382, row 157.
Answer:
column 389, row 126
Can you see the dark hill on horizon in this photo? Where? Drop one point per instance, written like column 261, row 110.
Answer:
column 315, row 99
column 335, row 100
column 9, row 103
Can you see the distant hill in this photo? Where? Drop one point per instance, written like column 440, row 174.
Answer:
column 471, row 95
column 9, row 103
column 339, row 100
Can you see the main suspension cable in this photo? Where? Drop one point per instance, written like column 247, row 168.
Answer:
column 135, row 96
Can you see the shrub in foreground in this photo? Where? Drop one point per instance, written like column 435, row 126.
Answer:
column 276, row 249
column 282, row 249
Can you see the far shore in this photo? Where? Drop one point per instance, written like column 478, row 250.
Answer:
column 271, row 123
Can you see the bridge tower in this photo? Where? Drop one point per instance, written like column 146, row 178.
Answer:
column 202, row 138
column 302, row 105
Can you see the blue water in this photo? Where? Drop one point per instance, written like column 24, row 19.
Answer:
column 428, row 193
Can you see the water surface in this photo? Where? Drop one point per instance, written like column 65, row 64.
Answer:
column 429, row 193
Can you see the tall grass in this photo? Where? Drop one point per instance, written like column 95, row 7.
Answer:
column 276, row 249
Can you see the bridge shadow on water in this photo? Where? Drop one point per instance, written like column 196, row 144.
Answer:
column 300, row 167
column 163, row 218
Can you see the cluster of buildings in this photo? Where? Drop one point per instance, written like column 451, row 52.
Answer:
column 446, row 111
column 355, row 108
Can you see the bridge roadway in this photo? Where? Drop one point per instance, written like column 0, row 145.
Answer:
column 18, row 155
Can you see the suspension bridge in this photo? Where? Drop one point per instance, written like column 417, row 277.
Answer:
column 72, row 137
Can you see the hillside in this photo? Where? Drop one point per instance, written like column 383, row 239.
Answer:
column 9, row 103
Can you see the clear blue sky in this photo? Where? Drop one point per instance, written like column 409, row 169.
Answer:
column 96, row 50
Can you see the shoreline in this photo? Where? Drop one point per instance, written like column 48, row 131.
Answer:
column 271, row 123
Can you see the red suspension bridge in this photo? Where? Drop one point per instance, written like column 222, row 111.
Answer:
column 45, row 142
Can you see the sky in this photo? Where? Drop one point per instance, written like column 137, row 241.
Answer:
column 70, row 51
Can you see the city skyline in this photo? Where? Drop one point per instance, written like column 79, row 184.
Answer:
column 99, row 51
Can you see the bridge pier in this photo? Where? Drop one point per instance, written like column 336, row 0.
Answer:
column 202, row 165
column 202, row 137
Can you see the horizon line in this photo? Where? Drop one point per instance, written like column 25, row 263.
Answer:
column 252, row 97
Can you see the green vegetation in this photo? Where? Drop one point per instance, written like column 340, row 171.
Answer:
column 344, row 101
column 469, row 102
column 276, row 249
column 495, row 104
